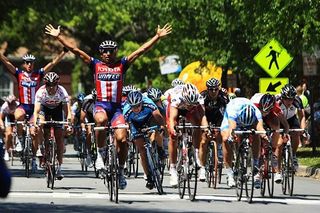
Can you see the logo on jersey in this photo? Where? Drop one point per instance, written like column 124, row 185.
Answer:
column 108, row 69
column 108, row 77
column 29, row 84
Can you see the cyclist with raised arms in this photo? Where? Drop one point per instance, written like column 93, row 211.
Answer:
column 139, row 111
column 241, row 113
column 272, row 117
column 52, row 102
column 109, row 76
column 291, row 104
column 186, row 101
column 7, row 115
column 215, row 102
column 28, row 83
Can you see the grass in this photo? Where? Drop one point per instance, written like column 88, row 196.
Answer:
column 306, row 157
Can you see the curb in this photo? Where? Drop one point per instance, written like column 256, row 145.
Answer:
column 304, row 171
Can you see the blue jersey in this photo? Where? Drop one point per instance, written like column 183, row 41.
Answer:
column 138, row 120
column 233, row 110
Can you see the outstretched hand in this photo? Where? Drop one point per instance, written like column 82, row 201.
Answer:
column 50, row 30
column 167, row 29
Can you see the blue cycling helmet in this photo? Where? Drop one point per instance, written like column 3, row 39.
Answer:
column 80, row 97
column 247, row 115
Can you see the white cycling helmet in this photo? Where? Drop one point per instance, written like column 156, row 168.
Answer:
column 190, row 94
column 29, row 57
column 108, row 44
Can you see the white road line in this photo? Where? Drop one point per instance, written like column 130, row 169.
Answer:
column 154, row 197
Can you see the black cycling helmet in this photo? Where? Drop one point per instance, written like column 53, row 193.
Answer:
column 29, row 57
column 176, row 82
column 288, row 91
column 134, row 98
column 267, row 102
column 108, row 44
column 247, row 115
column 51, row 78
column 213, row 83
column 154, row 94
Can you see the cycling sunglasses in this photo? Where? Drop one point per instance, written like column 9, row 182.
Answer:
column 213, row 89
column 51, row 84
column 107, row 50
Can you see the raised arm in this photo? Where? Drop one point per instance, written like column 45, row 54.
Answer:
column 55, row 61
column 8, row 64
column 161, row 32
column 50, row 30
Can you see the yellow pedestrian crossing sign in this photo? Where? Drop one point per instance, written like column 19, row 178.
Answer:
column 272, row 85
column 273, row 58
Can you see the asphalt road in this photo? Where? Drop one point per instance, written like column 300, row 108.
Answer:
column 82, row 192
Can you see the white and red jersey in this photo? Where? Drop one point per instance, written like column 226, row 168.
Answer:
column 6, row 110
column 52, row 101
column 109, row 79
column 28, row 83
column 176, row 99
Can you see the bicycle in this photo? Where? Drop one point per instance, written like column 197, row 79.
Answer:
column 244, row 168
column 82, row 147
column 155, row 164
column 287, row 167
column 187, row 167
column 266, row 168
column 214, row 161
column 132, row 164
column 111, row 162
column 51, row 162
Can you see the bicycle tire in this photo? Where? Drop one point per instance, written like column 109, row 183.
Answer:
column 217, row 167
column 210, row 165
column 192, row 174
column 283, row 171
column 239, row 173
column 115, row 174
column 53, row 162
column 136, row 172
column 156, row 169
column 290, row 171
column 182, row 174
column 26, row 154
column 270, row 174
column 249, row 180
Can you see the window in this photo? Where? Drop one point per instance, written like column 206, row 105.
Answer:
column 6, row 83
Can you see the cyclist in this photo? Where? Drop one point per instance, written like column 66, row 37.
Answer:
column 7, row 114
column 125, row 91
column 139, row 111
column 291, row 105
column 28, row 83
column 186, row 101
column 52, row 102
column 109, row 77
column 272, row 117
column 215, row 102
column 241, row 113
column 175, row 82
column 76, row 118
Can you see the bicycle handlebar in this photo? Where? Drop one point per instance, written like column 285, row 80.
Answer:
column 150, row 129
column 191, row 127
column 54, row 122
column 111, row 127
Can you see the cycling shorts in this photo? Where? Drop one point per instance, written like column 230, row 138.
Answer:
column 113, row 111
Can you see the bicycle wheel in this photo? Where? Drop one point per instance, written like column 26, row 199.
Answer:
column 130, row 161
column 136, row 171
column 182, row 172
column 210, row 166
column 53, row 163
column 192, row 174
column 284, row 171
column 27, row 158
column 115, row 174
column 239, row 174
column 270, row 174
column 154, row 171
column 290, row 171
column 93, row 152
column 249, row 180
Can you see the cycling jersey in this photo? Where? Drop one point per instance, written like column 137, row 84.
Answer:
column 28, row 83
column 75, row 109
column 52, row 101
column 109, row 79
column 276, row 110
column 214, row 109
column 290, row 111
column 138, row 120
column 5, row 109
column 233, row 110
